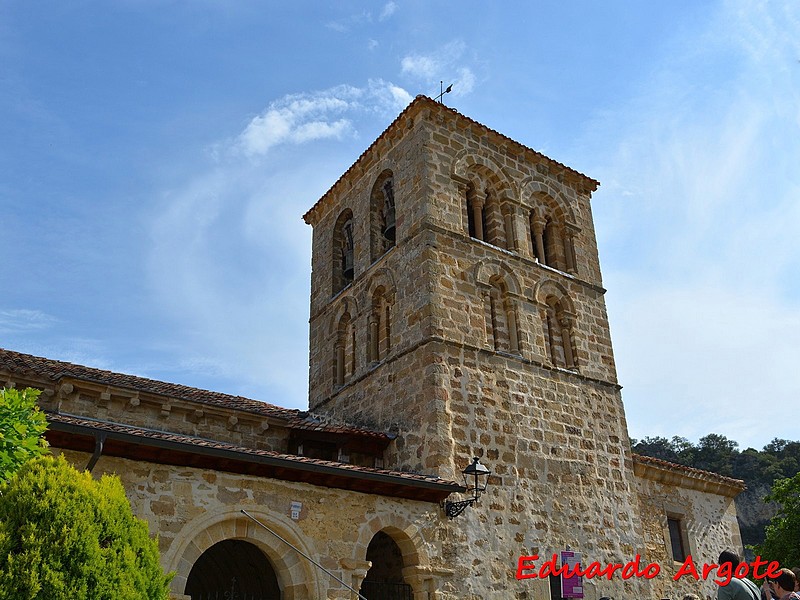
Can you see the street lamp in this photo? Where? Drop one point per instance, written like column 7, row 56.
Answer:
column 476, row 478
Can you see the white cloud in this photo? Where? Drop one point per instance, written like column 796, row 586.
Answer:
column 465, row 82
column 346, row 24
column 446, row 64
column 300, row 118
column 20, row 320
column 424, row 67
column 388, row 10
column 229, row 253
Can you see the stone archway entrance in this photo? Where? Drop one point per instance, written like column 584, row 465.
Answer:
column 384, row 580
column 233, row 570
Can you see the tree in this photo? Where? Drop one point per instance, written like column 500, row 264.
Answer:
column 21, row 429
column 66, row 536
column 783, row 532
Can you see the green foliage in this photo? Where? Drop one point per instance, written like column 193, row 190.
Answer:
column 21, row 429
column 66, row 536
column 782, row 542
column 758, row 468
column 714, row 452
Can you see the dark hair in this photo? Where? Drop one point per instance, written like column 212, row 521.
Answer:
column 729, row 556
column 786, row 580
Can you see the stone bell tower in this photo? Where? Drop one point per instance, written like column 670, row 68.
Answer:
column 456, row 298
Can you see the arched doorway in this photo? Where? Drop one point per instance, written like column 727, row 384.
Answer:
column 384, row 580
column 233, row 569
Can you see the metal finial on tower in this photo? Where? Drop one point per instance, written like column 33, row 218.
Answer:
column 442, row 91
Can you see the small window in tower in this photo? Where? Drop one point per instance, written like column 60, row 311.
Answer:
column 343, row 252
column 676, row 539
column 382, row 215
column 388, row 212
column 347, row 252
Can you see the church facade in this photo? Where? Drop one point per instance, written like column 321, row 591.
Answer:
column 457, row 311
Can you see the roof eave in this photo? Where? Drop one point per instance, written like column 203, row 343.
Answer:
column 388, row 484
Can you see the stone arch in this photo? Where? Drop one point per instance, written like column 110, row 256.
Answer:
column 551, row 226
column 558, row 324
column 468, row 161
column 548, row 287
column 296, row 576
column 407, row 537
column 382, row 277
column 493, row 267
column 346, row 305
column 534, row 190
column 486, row 211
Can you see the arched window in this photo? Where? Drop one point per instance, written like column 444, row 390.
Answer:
column 501, row 317
column 343, row 259
column 552, row 238
column 344, row 351
column 382, row 215
column 558, row 332
column 380, row 326
column 485, row 220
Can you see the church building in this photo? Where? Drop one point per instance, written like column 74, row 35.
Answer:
column 457, row 313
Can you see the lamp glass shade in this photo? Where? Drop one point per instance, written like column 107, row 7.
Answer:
column 476, row 476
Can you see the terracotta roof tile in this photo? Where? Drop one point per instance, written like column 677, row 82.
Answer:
column 691, row 471
column 197, row 442
column 54, row 370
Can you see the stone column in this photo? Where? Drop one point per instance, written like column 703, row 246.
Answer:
column 513, row 337
column 373, row 337
column 475, row 204
column 537, row 226
column 524, row 231
column 511, row 238
column 339, row 363
column 550, row 325
column 569, row 250
column 354, row 572
column 387, row 327
column 418, row 580
column 488, row 318
column 566, row 341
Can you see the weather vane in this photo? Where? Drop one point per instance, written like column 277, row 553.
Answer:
column 443, row 91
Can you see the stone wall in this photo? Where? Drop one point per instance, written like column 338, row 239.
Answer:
column 708, row 520
column 191, row 509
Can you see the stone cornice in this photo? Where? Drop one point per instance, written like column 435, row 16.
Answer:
column 667, row 473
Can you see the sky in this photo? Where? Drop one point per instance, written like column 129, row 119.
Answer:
column 156, row 157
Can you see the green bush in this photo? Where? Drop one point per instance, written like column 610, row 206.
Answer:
column 66, row 536
column 782, row 542
column 21, row 429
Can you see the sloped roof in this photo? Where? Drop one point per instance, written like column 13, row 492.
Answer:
column 164, row 447
column 56, row 370
column 673, row 473
column 415, row 106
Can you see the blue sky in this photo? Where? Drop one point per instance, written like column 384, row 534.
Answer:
column 156, row 157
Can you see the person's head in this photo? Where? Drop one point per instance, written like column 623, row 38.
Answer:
column 796, row 572
column 691, row 597
column 729, row 557
column 784, row 583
